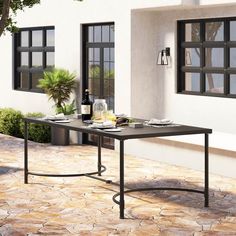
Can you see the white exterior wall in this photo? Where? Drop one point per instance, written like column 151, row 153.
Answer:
column 142, row 89
column 153, row 94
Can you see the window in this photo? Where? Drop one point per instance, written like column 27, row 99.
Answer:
column 207, row 57
column 33, row 54
column 99, row 67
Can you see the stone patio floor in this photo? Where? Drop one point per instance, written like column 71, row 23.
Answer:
column 84, row 206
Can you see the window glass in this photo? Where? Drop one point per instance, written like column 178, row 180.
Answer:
column 106, row 54
column 112, row 56
column 97, row 34
column 35, row 79
column 112, row 33
column 232, row 30
column 192, row 57
column 105, row 33
column 37, row 59
column 214, row 83
column 232, row 57
column 37, row 38
column 192, row 82
column 90, row 54
column 233, row 84
column 24, row 39
column 24, row 80
column 24, row 59
column 50, row 59
column 90, row 34
column 215, row 31
column 96, row 54
column 50, row 38
column 214, row 57
column 192, row 32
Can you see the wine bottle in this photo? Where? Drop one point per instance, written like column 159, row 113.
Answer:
column 86, row 107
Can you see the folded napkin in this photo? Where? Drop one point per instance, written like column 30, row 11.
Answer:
column 59, row 116
column 104, row 125
column 155, row 121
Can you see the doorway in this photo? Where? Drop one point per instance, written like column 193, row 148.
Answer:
column 99, row 69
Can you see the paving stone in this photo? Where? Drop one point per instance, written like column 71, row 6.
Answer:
column 84, row 206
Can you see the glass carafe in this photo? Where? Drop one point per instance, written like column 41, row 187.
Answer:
column 99, row 110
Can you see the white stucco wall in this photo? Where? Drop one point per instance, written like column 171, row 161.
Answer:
column 142, row 89
column 67, row 20
column 153, row 92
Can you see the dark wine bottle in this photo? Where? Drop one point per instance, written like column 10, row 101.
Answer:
column 86, row 107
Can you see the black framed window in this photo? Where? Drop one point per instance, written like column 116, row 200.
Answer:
column 207, row 57
column 99, row 68
column 33, row 54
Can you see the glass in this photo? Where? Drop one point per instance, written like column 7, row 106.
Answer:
column 37, row 38
column 232, row 57
column 232, row 31
column 99, row 110
column 97, row 34
column 112, row 33
column 192, row 32
column 214, row 57
column 105, row 33
column 192, row 57
column 112, row 56
column 37, row 59
column 90, row 34
column 96, row 54
column 192, row 82
column 232, row 84
column 94, row 70
column 50, row 38
column 24, row 59
column 50, row 59
column 215, row 31
column 96, row 87
column 106, row 87
column 106, row 54
column 24, row 39
column 24, row 80
column 90, row 53
column 35, row 79
column 214, row 83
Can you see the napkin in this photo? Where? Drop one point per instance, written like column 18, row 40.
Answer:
column 155, row 121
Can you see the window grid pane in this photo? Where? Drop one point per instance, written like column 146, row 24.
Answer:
column 210, row 67
column 214, row 83
column 38, row 59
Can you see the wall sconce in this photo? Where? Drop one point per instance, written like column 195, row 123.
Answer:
column 163, row 57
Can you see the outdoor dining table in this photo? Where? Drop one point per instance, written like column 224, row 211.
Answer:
column 125, row 134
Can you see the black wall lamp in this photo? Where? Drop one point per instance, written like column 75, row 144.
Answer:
column 163, row 57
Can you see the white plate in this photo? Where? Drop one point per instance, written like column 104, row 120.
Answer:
column 62, row 121
column 113, row 130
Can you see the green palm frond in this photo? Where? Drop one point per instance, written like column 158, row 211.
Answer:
column 58, row 85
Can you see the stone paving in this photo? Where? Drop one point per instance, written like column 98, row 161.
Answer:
column 84, row 206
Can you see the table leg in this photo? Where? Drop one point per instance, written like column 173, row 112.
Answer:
column 206, row 189
column 99, row 154
column 122, row 201
column 26, row 153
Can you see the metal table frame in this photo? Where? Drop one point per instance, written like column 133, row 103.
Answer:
column 129, row 133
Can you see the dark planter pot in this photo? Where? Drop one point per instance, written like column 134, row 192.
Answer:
column 60, row 136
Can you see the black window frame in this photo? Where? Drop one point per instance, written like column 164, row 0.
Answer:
column 226, row 44
column 17, row 49
column 86, row 45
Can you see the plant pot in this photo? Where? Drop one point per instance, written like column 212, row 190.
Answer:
column 60, row 136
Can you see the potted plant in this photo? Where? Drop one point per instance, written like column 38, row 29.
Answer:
column 58, row 85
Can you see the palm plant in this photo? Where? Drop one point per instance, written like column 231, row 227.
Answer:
column 58, row 85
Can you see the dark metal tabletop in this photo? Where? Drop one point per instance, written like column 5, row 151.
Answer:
column 126, row 132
